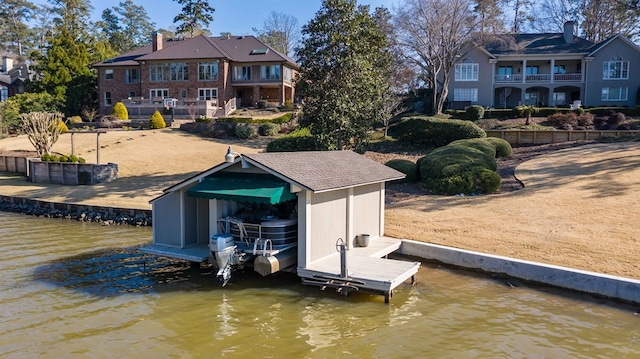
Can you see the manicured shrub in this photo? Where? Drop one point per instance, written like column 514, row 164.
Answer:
column 74, row 119
column 269, row 129
column 478, row 143
column 503, row 147
column 616, row 118
column 474, row 112
column 120, row 111
column 245, row 132
column 405, row 166
column 157, row 121
column 462, row 159
column 262, row 104
column 292, row 144
column 432, row 132
column 288, row 105
column 478, row 180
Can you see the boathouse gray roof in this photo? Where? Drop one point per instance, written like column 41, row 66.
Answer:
column 321, row 171
column 317, row 171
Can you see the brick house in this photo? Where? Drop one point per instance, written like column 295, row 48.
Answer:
column 551, row 69
column 205, row 75
column 13, row 78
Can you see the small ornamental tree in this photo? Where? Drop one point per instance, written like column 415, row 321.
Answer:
column 157, row 121
column 120, row 111
column 43, row 129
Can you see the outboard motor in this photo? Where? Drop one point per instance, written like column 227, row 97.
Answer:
column 224, row 253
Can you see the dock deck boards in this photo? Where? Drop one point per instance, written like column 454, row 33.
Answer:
column 365, row 267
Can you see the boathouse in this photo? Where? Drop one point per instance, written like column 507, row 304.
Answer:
column 325, row 198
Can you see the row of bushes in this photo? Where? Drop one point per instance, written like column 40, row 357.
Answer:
column 464, row 166
column 471, row 112
column 298, row 140
column 279, row 120
column 62, row 158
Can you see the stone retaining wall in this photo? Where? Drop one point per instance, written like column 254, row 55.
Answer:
column 79, row 212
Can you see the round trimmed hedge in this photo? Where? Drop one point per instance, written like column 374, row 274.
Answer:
column 478, row 143
column 409, row 168
column 157, row 121
column 503, row 147
column 434, row 132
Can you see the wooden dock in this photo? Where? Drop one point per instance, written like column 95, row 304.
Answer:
column 366, row 269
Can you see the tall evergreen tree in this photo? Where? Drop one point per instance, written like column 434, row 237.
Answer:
column 126, row 26
column 196, row 14
column 15, row 33
column 344, row 63
column 64, row 69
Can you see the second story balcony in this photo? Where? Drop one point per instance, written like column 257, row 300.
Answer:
column 537, row 78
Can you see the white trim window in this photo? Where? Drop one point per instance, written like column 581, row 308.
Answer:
column 465, row 94
column 615, row 93
column 107, row 98
column 270, row 72
column 288, row 74
column 158, row 93
column 615, row 69
column 179, row 71
column 132, row 76
column 467, row 70
column 159, row 73
column 241, row 73
column 207, row 71
column 4, row 93
column 207, row 94
column 108, row 74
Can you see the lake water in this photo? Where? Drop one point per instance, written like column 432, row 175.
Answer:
column 80, row 290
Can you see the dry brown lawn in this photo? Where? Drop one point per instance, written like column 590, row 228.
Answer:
column 580, row 207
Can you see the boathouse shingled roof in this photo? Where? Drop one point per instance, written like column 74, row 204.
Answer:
column 326, row 170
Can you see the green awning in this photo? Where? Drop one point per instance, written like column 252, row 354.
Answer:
column 245, row 188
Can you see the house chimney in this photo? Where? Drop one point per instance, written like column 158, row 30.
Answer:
column 156, row 42
column 7, row 63
column 568, row 31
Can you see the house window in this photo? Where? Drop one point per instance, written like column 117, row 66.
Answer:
column 469, row 94
column 159, row 73
column 531, row 70
column 108, row 74
column 559, row 69
column 270, row 72
column 207, row 94
column 616, row 69
column 614, row 93
column 159, row 93
column 288, row 74
column 132, row 76
column 132, row 94
column 559, row 98
column 107, row 98
column 207, row 71
column 466, row 71
column 4, row 93
column 183, row 93
column 179, row 71
column 242, row 73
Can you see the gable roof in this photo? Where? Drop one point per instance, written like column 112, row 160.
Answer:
column 321, row 171
column 19, row 73
column 537, row 44
column 317, row 171
column 234, row 48
column 606, row 42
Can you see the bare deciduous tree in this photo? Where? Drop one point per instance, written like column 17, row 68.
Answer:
column 434, row 35
column 280, row 31
column 42, row 128
column 392, row 105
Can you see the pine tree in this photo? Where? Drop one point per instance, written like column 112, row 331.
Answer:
column 196, row 14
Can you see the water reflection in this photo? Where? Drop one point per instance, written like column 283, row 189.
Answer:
column 88, row 292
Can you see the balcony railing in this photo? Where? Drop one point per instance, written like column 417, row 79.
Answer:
column 538, row 78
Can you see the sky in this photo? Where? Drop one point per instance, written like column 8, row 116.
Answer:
column 238, row 17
